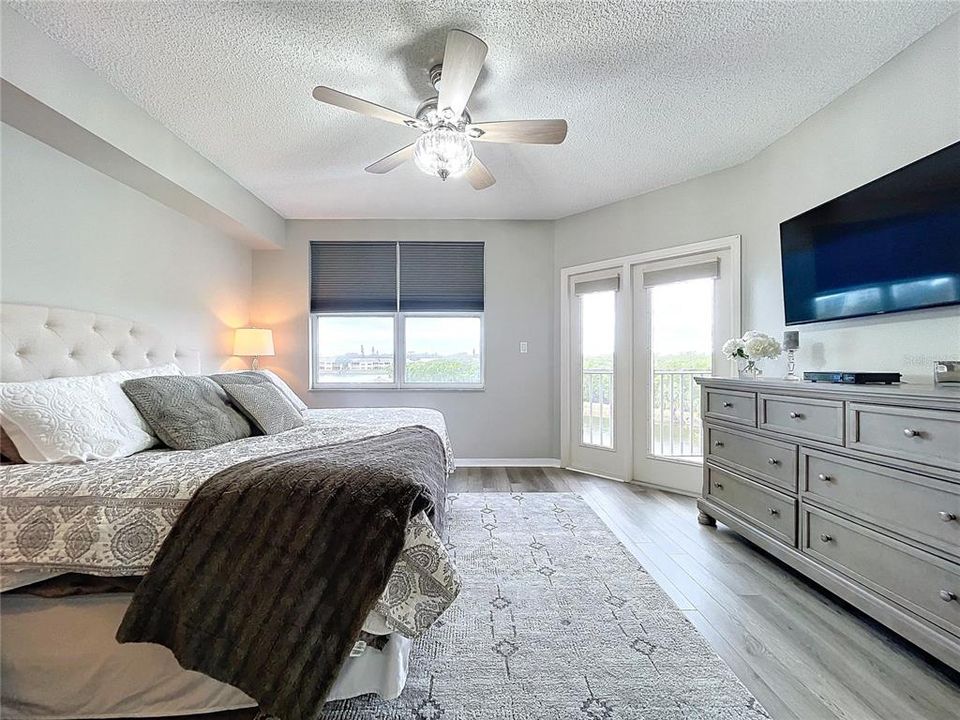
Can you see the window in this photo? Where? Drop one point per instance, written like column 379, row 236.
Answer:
column 597, row 323
column 406, row 315
column 681, row 305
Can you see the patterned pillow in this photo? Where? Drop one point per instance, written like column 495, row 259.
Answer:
column 287, row 391
column 187, row 412
column 76, row 418
column 264, row 404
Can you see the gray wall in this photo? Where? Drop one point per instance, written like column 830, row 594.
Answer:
column 908, row 108
column 75, row 238
column 513, row 417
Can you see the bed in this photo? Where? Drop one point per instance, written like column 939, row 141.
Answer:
column 109, row 518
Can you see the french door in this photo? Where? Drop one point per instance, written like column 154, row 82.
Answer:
column 636, row 332
column 682, row 315
column 599, row 365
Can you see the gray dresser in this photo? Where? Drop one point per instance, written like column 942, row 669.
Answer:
column 857, row 487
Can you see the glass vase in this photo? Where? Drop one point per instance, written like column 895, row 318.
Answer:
column 749, row 369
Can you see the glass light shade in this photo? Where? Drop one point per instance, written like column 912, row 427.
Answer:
column 253, row 342
column 443, row 152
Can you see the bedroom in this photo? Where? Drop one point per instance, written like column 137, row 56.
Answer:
column 173, row 173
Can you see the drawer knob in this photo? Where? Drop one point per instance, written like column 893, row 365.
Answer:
column 796, row 415
column 947, row 516
column 947, row 595
column 773, row 511
column 823, row 477
column 718, row 443
column 825, row 538
column 718, row 486
column 727, row 404
column 773, row 461
column 909, row 432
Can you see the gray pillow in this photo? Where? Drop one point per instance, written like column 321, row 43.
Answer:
column 187, row 412
column 264, row 404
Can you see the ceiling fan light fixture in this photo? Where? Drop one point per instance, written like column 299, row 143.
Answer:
column 443, row 152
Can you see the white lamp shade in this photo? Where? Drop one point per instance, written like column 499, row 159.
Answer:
column 253, row 342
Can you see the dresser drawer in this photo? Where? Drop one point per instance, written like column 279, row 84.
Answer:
column 925, row 584
column 772, row 461
column 770, row 511
column 931, row 437
column 803, row 417
column 732, row 405
column 922, row 508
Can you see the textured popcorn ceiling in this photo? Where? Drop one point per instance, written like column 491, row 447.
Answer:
column 655, row 93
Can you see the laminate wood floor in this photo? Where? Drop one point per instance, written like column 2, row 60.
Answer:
column 804, row 653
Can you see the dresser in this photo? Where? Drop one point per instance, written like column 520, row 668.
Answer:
column 855, row 486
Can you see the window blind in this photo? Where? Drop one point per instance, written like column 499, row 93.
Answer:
column 694, row 271
column 604, row 284
column 353, row 277
column 441, row 276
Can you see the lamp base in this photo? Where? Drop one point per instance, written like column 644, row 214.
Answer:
column 255, row 363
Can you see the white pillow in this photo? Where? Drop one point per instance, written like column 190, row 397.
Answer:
column 287, row 391
column 73, row 419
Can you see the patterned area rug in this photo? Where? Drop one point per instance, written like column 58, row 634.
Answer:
column 556, row 620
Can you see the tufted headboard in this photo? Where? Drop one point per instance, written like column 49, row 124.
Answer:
column 39, row 342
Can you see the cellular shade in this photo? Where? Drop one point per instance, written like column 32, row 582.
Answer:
column 606, row 284
column 441, row 276
column 353, row 277
column 694, row 271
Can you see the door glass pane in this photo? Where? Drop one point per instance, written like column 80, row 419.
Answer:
column 597, row 334
column 353, row 349
column 443, row 350
column 682, row 341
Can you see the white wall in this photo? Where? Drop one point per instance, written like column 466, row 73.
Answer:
column 75, row 238
column 513, row 417
column 907, row 109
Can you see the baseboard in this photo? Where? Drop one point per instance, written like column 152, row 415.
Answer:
column 508, row 462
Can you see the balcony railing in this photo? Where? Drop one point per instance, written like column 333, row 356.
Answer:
column 676, row 414
column 597, row 396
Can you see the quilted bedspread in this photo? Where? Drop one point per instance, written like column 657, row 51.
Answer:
column 110, row 517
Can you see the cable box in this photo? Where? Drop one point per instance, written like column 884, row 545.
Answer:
column 853, row 378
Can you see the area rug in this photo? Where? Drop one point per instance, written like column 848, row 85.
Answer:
column 556, row 620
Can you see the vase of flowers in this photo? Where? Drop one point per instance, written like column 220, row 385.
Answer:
column 749, row 350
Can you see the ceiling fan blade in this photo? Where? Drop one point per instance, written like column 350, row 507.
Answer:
column 364, row 107
column 462, row 61
column 536, row 132
column 478, row 175
column 395, row 159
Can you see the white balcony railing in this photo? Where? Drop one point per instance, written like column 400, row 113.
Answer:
column 676, row 414
column 597, row 396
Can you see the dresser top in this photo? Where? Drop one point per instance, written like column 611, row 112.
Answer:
column 947, row 395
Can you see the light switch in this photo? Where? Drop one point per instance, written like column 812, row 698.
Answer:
column 523, row 346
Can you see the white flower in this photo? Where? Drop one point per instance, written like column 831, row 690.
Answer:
column 754, row 345
column 730, row 347
column 759, row 345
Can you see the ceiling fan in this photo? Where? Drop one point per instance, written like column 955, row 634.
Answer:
column 445, row 146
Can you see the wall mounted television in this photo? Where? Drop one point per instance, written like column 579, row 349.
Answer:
column 888, row 246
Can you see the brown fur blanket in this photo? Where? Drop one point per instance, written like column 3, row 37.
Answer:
column 272, row 567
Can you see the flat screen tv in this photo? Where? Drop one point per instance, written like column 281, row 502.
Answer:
column 889, row 246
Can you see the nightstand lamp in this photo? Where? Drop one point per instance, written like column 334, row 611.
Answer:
column 253, row 342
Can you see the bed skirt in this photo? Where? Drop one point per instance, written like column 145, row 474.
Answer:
column 60, row 661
